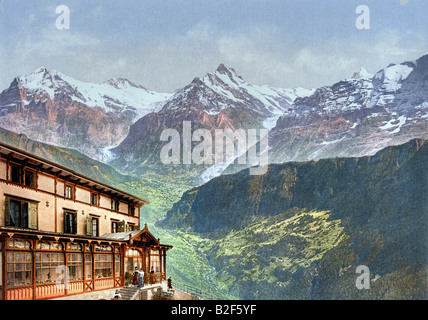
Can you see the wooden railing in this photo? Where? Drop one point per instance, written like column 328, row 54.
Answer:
column 48, row 291
column 75, row 287
column 51, row 290
column 104, row 283
column 22, row 293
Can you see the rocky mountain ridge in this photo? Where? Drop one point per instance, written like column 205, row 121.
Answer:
column 357, row 116
column 219, row 100
column 51, row 107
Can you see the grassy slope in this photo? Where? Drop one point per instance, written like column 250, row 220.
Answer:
column 270, row 250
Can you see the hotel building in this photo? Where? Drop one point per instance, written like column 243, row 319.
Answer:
column 62, row 233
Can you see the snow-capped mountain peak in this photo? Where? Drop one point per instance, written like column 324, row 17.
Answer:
column 117, row 95
column 362, row 74
column 228, row 74
column 225, row 88
column 392, row 76
column 357, row 116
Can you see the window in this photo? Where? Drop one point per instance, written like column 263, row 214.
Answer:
column 121, row 226
column 24, row 177
column 42, row 245
column 69, row 191
column 114, row 226
column 94, row 199
column 15, row 174
column 103, row 265
column 131, row 227
column 20, row 213
column 117, row 262
column 75, row 266
column 115, row 205
column 88, row 266
column 154, row 260
column 70, row 222
column 47, row 264
column 95, row 227
column 103, row 248
column 131, row 210
column 92, row 226
column 29, row 178
column 19, row 244
column 19, row 269
column 74, row 247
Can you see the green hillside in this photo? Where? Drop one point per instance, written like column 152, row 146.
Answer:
column 301, row 230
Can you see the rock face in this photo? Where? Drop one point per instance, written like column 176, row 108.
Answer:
column 219, row 100
column 51, row 107
column 301, row 230
column 357, row 116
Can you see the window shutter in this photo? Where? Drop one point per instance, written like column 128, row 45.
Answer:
column 74, row 223
column 32, row 216
column 121, row 226
column 7, row 211
column 89, row 226
column 66, row 229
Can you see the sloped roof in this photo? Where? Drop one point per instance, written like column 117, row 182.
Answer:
column 121, row 236
column 131, row 236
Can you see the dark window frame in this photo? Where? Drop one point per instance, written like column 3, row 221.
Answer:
column 131, row 210
column 115, row 205
column 72, row 193
column 23, row 216
column 114, row 226
column 95, row 226
column 70, row 222
column 33, row 178
column 15, row 173
column 94, row 199
column 19, row 173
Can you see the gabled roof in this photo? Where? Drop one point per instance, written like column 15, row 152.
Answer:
column 121, row 236
column 143, row 235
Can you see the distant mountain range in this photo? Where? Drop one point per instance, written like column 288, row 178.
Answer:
column 357, row 116
column 120, row 123
column 51, row 107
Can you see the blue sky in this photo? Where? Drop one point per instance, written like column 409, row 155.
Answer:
column 164, row 44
